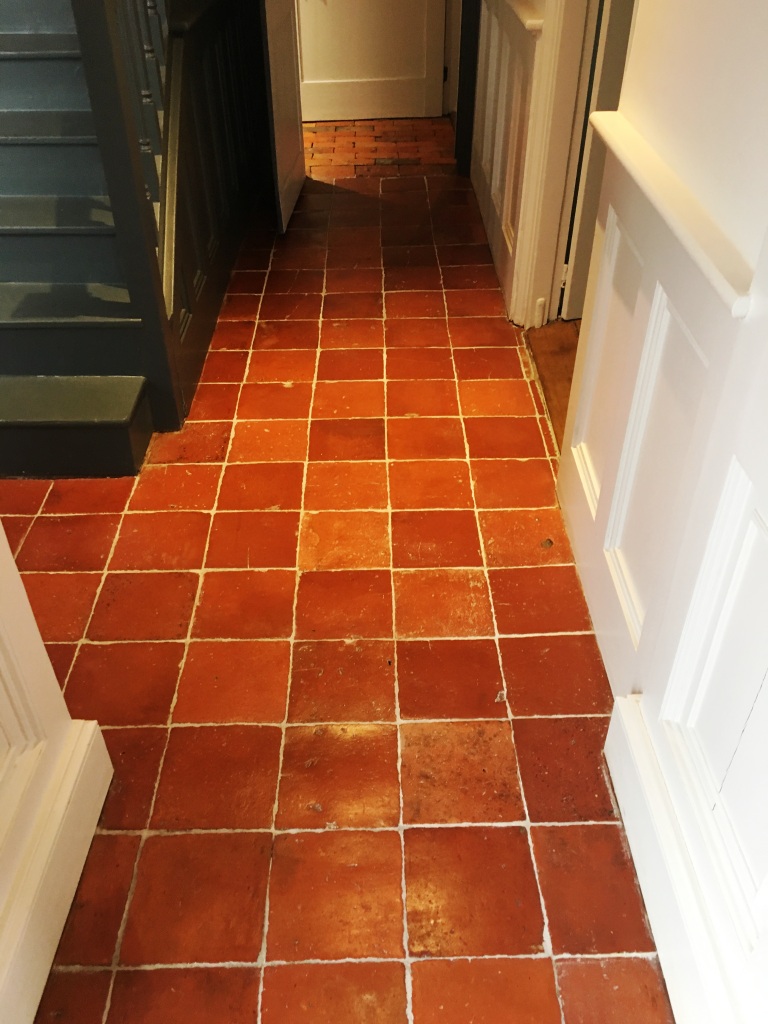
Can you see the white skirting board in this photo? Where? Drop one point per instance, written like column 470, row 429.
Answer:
column 59, row 829
column 676, row 904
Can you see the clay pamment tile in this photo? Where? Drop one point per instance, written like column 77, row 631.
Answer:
column 199, row 898
column 196, row 995
column 513, row 483
column 347, row 399
column 144, row 606
column 233, row 681
column 450, row 679
column 496, row 991
column 278, row 400
column 542, row 599
column 253, row 540
column 135, row 756
column 419, row 364
column 347, row 439
column 175, row 487
column 344, row 540
column 359, row 333
column 161, row 540
column 71, row 996
column 245, row 605
column 523, row 537
column 68, row 543
column 555, row 675
column 496, row 398
column 269, row 441
column 72, row 496
column 345, row 485
column 61, row 602
column 333, row 993
column 435, row 538
column 422, row 398
column 282, row 365
column 266, row 485
column 442, row 603
column 430, row 484
column 335, row 895
column 417, row 333
column 289, row 334
column 347, row 603
column 504, row 437
column 339, row 681
column 623, row 990
column 428, row 438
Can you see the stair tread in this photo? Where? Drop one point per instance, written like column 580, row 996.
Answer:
column 69, row 399
column 33, row 303
column 25, row 45
column 56, row 214
column 33, row 126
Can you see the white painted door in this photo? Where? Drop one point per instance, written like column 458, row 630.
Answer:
column 371, row 58
column 280, row 33
column 528, row 75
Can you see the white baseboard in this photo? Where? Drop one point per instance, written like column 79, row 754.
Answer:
column 676, row 905
column 59, row 832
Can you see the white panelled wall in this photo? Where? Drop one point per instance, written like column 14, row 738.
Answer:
column 664, row 486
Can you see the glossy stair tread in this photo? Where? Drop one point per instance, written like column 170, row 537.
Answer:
column 56, row 214
column 41, row 303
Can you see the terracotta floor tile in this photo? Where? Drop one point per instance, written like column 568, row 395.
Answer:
column 253, row 540
column 422, row 398
column 240, row 307
column 233, row 335
column 513, row 483
column 353, row 305
column 161, row 540
column 74, row 996
column 555, row 675
column 135, row 756
column 340, row 774
column 234, row 681
column 335, row 895
column 430, row 484
column 442, row 603
column 416, row 333
column 89, row 495
column 623, row 990
column 485, row 992
column 367, row 993
column 286, row 334
column 445, row 538
column 407, row 304
column 195, row 995
column 214, row 402
column 290, row 306
column 496, row 398
column 280, row 400
column 344, row 604
column 347, row 440
column 124, row 684
column 198, row 899
column 195, row 442
column 525, row 538
column 245, row 605
column 266, row 485
column 224, row 367
column 463, row 255
column 161, row 488
column 351, row 364
column 269, row 441
column 301, row 281
column 218, row 777
column 590, row 890
column 450, row 679
column 459, row 772
column 90, row 932
column 347, row 399
column 477, row 302
column 413, row 279
column 419, row 364
column 358, row 333
column 248, row 282
column 23, row 497
column 345, row 485
column 487, row 363
column 397, row 256
column 16, row 528
column 61, row 656
column 428, row 438
column 471, row 892
column 339, row 681
column 477, row 276
column 344, row 540
column 68, row 543
column 144, row 606
column 61, row 602
column 562, row 768
column 504, row 437
column 345, row 280
column 281, row 366
column 539, row 600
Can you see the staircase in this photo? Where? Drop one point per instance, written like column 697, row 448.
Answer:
column 63, row 292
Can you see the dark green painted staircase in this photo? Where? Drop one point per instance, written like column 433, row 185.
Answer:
column 63, row 293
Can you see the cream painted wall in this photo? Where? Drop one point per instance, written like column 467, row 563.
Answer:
column 696, row 88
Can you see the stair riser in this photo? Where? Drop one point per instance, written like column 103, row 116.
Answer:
column 60, row 260
column 49, row 84
column 44, row 170
column 36, row 16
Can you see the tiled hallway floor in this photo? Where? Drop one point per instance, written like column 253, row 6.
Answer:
column 336, row 640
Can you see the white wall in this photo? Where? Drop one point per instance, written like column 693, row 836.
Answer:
column 696, row 88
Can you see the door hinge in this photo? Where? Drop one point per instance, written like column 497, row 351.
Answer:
column 445, row 72
column 564, row 278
